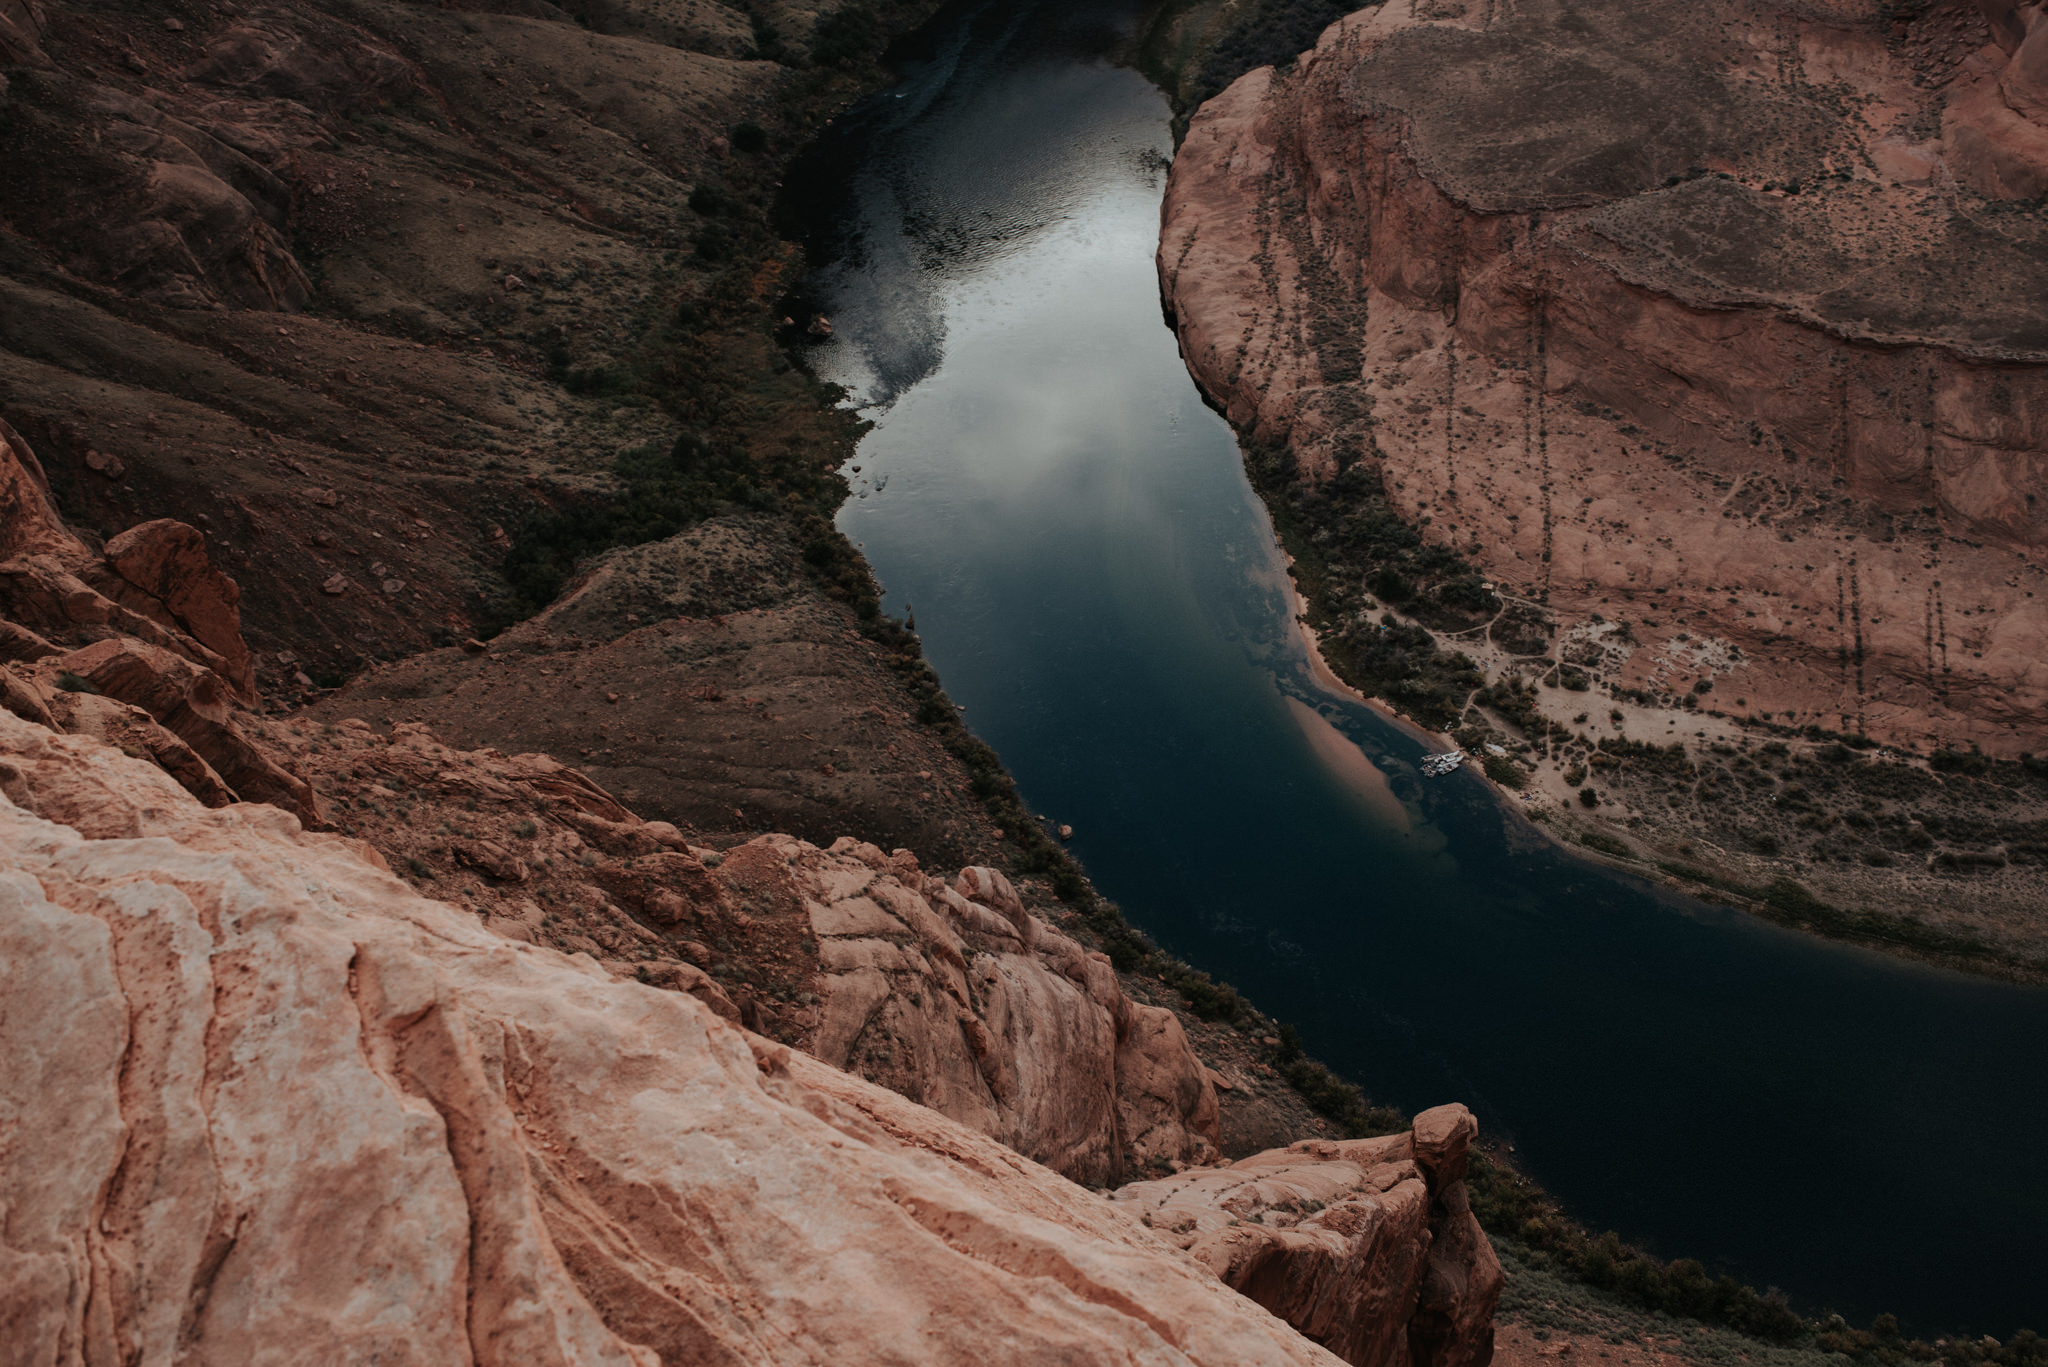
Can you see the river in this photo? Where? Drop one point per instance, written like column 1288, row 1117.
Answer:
column 1070, row 525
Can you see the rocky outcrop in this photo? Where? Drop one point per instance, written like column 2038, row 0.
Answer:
column 1675, row 315
column 165, row 667
column 1368, row 1246
column 259, row 1093
column 957, row 997
column 155, row 583
column 191, row 702
column 951, row 993
column 167, row 562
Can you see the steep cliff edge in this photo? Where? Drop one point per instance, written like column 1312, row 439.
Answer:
column 256, row 1092
column 1709, row 319
column 259, row 1093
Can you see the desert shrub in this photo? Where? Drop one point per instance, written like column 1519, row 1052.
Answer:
column 847, row 35
column 1504, row 771
column 1208, row 999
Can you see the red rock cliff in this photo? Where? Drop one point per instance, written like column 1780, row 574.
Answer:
column 1703, row 318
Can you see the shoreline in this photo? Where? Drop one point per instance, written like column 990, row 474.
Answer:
column 1684, row 856
column 1545, row 819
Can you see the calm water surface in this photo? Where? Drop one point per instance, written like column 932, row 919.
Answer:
column 1094, row 579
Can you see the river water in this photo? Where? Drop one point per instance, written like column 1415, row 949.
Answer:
column 1046, row 492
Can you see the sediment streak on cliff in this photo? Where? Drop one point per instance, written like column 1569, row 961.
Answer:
column 1732, row 313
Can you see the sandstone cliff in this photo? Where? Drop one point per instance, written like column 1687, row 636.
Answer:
column 256, row 1092
column 1721, row 319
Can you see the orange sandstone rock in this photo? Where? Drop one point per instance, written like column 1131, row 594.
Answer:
column 167, row 561
column 983, row 1012
column 1367, row 1246
column 272, row 1097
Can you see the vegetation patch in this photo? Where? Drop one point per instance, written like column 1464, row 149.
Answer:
column 1351, row 549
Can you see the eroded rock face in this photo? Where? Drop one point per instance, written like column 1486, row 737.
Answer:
column 1367, row 1246
column 160, row 663
column 194, row 704
column 1666, row 314
column 968, row 1004
column 258, row 1094
column 156, row 584
column 168, row 563
column 957, row 997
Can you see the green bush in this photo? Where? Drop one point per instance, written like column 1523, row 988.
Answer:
column 847, row 35
column 1208, row 999
column 1504, row 771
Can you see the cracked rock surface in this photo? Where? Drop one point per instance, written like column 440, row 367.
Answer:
column 268, row 1095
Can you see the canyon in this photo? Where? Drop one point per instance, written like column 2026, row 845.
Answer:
column 374, row 297
column 1706, row 340
column 463, row 805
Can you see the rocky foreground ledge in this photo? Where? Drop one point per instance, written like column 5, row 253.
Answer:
column 258, row 1093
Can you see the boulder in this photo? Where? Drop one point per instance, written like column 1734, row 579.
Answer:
column 167, row 561
column 24, row 700
column 19, row 643
column 1363, row 1245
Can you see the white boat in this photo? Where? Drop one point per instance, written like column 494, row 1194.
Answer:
column 1436, row 766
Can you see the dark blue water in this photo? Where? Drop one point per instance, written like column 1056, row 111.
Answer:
column 1095, row 580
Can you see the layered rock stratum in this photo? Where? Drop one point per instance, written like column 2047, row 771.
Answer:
column 1723, row 320
column 257, row 1092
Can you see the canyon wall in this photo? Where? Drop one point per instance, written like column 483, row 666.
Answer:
column 1713, row 321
